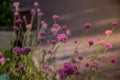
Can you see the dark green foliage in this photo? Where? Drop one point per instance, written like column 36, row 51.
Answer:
column 5, row 13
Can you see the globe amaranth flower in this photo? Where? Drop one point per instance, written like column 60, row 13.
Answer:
column 47, row 67
column 28, row 26
column 80, row 57
column 95, row 65
column 55, row 17
column 16, row 4
column 19, row 21
column 49, row 52
column 54, row 42
column 33, row 11
column 2, row 59
column 21, row 67
column 87, row 64
column 26, row 49
column 108, row 32
column 18, row 51
column 91, row 42
column 115, row 23
column 62, row 37
column 87, row 25
column 64, row 27
column 101, row 43
column 113, row 60
column 44, row 24
column 36, row 4
column 108, row 45
column 15, row 28
column 42, row 33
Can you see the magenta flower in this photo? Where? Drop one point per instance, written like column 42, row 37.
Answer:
column 115, row 23
column 43, row 33
column 108, row 32
column 26, row 49
column 80, row 57
column 15, row 28
column 75, row 41
column 54, row 42
column 87, row 25
column 16, row 4
column 62, row 37
column 49, row 52
column 47, row 67
column 55, row 17
column 113, row 60
column 16, row 13
column 61, row 73
column 44, row 24
column 40, row 38
column 33, row 11
column 64, row 27
column 28, row 26
column 87, row 64
column 21, row 67
column 108, row 45
column 95, row 65
column 90, row 42
column 19, row 21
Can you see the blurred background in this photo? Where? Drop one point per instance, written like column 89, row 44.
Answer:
column 73, row 14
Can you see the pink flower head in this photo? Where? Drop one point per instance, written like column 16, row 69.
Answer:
column 108, row 32
column 40, row 38
column 54, row 42
column 87, row 25
column 15, row 28
column 55, row 17
column 44, row 24
column 80, row 57
column 28, row 26
column 16, row 13
column 115, row 23
column 101, row 43
column 2, row 59
column 38, row 10
column 36, row 4
column 68, row 32
column 95, row 65
column 19, row 21
column 16, row 4
column 62, row 37
column 33, row 11
column 108, row 45
column 113, row 60
column 90, row 42
column 47, row 67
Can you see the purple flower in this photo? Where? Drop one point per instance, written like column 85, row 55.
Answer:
column 18, row 50
column 115, row 23
column 61, row 73
column 49, row 51
column 20, row 67
column 47, row 67
column 87, row 64
column 28, row 26
column 64, row 27
column 40, row 38
column 15, row 28
column 54, row 42
column 19, row 21
column 87, row 25
column 90, row 42
column 26, row 49
column 43, row 33
column 80, row 57
column 95, row 65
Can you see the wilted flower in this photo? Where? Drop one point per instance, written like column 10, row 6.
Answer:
column 62, row 37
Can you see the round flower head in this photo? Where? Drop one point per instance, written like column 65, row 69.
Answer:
column 68, row 32
column 55, row 17
column 113, row 60
column 108, row 45
column 62, row 37
column 87, row 64
column 20, row 67
column 80, row 57
column 26, row 49
column 16, row 13
column 75, row 41
column 36, row 4
column 64, row 27
column 16, row 4
column 40, row 38
column 38, row 10
column 87, row 25
column 95, row 65
column 33, row 11
column 90, row 42
column 61, row 73
column 54, row 42
column 44, row 24
column 17, row 50
column 49, row 51
column 19, row 21
column 28, row 26
column 43, row 33
column 15, row 28
column 2, row 59
column 101, row 43
column 108, row 32
column 47, row 67
column 115, row 23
